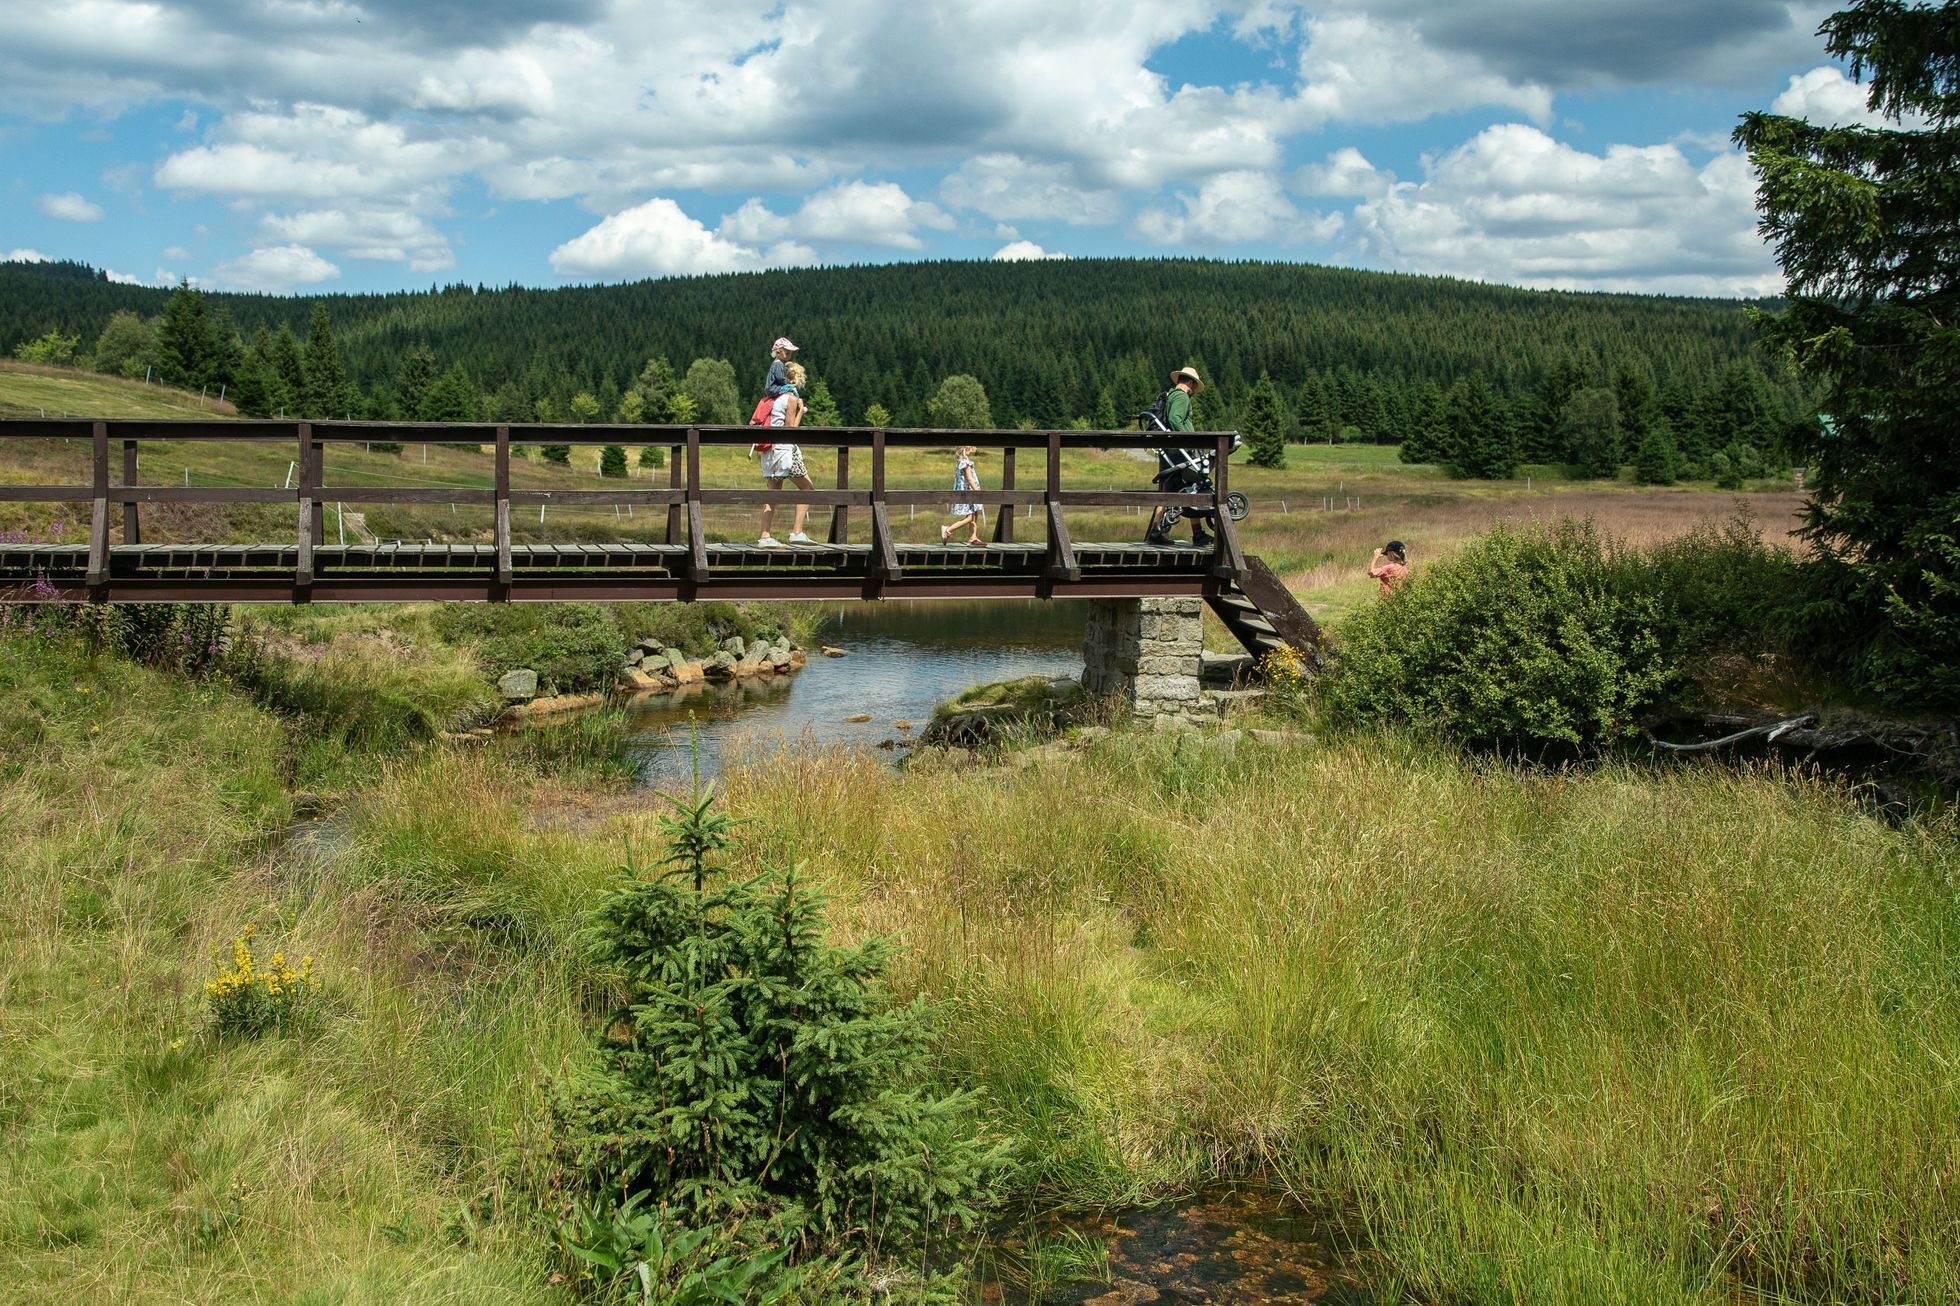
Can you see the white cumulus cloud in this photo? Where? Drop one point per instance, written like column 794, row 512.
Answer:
column 654, row 239
column 1828, row 98
column 1513, row 205
column 1023, row 250
column 1230, row 209
column 365, row 232
column 70, row 207
column 24, row 256
column 1009, row 187
column 273, row 269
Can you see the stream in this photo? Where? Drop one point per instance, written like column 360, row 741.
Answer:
column 903, row 657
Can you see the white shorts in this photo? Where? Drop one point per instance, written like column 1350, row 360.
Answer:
column 782, row 463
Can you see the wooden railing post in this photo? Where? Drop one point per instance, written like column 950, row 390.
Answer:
column 132, row 528
column 884, row 553
column 840, row 516
column 309, row 478
column 1061, row 554
column 697, row 527
column 1228, row 560
column 1004, row 517
column 98, row 526
column 674, row 483
column 502, row 491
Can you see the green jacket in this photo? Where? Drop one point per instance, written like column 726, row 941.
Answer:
column 1177, row 410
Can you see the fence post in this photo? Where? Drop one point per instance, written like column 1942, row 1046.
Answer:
column 308, row 478
column 132, row 528
column 501, row 530
column 1004, row 519
column 674, row 483
column 98, row 526
column 840, row 516
column 697, row 526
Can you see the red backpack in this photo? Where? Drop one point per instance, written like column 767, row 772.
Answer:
column 760, row 417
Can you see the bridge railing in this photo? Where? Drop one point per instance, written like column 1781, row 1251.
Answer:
column 685, row 496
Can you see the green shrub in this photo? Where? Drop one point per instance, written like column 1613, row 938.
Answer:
column 1529, row 637
column 1721, row 590
column 752, row 1072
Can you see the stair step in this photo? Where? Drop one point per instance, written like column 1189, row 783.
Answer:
column 1259, row 624
column 1239, row 602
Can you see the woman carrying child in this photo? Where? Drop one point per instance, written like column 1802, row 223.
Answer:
column 784, row 462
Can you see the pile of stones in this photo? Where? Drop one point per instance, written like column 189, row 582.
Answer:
column 650, row 666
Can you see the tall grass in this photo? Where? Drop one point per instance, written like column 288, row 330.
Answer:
column 1593, row 1036
column 1605, row 1035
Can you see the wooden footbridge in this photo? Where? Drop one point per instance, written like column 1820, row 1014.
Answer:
column 681, row 564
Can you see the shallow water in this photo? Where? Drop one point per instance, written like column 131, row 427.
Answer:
column 904, row 657
column 1225, row 1246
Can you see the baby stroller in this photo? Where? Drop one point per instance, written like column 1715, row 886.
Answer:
column 1188, row 471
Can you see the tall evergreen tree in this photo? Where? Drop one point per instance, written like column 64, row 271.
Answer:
column 451, row 398
column 1638, row 400
column 413, row 380
column 1105, row 418
column 290, row 363
column 821, row 409
column 1867, row 231
column 324, row 394
column 1264, row 424
column 187, row 340
column 1590, row 431
column 1655, row 462
column 1482, row 441
column 1544, row 431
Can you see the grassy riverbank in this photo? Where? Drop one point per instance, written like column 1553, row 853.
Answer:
column 1592, row 1036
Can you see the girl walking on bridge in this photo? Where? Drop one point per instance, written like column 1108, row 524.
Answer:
column 970, row 515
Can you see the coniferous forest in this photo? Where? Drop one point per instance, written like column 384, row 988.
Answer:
column 1476, row 376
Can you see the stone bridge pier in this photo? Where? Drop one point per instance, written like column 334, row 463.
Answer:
column 1146, row 654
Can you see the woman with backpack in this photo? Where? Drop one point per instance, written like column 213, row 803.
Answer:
column 784, row 462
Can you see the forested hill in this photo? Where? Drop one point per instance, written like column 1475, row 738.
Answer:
column 1048, row 340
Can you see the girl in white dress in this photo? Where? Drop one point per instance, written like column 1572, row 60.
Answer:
column 970, row 515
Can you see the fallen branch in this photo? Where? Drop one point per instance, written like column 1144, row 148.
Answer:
column 1770, row 731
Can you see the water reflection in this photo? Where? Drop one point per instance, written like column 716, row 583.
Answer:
column 903, row 658
column 1226, row 1246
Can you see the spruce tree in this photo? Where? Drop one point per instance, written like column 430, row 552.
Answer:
column 1656, row 462
column 187, row 340
column 1105, row 418
column 290, row 364
column 612, row 461
column 821, row 408
column 413, row 380
column 1482, row 441
column 451, row 398
column 1589, row 430
column 325, row 394
column 1263, row 423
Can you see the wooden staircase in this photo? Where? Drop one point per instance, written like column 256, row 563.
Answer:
column 1263, row 614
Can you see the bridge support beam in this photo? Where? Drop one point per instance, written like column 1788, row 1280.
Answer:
column 1145, row 654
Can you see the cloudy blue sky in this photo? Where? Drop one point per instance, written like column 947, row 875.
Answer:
column 301, row 145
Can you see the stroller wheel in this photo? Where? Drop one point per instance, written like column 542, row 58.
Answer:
column 1237, row 506
column 1172, row 516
